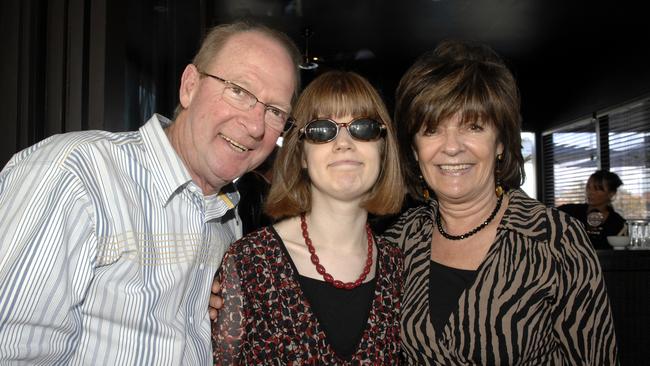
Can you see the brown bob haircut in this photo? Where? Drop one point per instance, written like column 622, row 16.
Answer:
column 466, row 78
column 217, row 37
column 334, row 94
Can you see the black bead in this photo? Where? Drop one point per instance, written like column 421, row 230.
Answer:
column 471, row 232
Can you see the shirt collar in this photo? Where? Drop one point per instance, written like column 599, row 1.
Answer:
column 526, row 216
column 169, row 172
column 218, row 204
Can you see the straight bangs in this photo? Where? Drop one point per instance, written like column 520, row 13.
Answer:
column 599, row 183
column 468, row 92
column 331, row 95
column 335, row 96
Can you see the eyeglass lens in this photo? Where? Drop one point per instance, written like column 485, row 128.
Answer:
column 244, row 100
column 324, row 130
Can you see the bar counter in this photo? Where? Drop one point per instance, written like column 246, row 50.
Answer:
column 627, row 275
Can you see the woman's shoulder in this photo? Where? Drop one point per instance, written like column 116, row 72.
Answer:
column 257, row 241
column 562, row 235
column 616, row 216
column 536, row 220
column 411, row 227
column 520, row 204
column 412, row 218
column 387, row 248
column 247, row 259
column 573, row 208
column 391, row 265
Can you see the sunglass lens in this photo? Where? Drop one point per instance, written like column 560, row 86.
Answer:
column 321, row 131
column 365, row 129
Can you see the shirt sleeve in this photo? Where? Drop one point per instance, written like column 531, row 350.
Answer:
column 228, row 332
column 584, row 325
column 47, row 250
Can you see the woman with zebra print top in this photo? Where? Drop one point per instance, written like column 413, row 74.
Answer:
column 490, row 279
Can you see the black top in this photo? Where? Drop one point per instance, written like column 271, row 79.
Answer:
column 343, row 314
column 597, row 233
column 446, row 284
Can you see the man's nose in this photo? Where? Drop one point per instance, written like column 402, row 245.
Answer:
column 255, row 123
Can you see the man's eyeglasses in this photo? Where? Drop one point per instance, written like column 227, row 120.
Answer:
column 322, row 130
column 242, row 99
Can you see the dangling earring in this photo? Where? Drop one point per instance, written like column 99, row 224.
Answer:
column 425, row 189
column 499, row 188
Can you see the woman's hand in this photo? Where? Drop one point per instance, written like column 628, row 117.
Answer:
column 216, row 302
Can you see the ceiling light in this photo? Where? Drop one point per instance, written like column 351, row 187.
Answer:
column 308, row 64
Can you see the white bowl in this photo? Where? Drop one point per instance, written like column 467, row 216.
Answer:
column 618, row 242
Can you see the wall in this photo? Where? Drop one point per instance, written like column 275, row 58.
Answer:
column 73, row 65
column 53, row 69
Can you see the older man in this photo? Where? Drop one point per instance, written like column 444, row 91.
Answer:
column 109, row 241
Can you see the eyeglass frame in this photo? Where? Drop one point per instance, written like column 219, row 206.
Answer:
column 289, row 121
column 382, row 129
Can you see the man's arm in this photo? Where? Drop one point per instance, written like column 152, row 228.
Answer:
column 47, row 250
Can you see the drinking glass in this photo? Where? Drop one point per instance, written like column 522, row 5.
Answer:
column 639, row 231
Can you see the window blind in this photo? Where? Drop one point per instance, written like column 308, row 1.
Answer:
column 629, row 157
column 570, row 157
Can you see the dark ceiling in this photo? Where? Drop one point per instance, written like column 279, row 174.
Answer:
column 571, row 58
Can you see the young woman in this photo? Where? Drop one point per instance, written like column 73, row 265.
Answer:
column 598, row 215
column 318, row 287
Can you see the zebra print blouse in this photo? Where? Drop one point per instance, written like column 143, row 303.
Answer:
column 538, row 299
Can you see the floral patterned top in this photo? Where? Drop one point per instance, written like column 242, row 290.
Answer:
column 266, row 319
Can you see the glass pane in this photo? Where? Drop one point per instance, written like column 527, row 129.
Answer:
column 629, row 143
column 530, row 163
column 575, row 158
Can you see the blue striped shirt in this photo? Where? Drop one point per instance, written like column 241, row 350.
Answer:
column 107, row 252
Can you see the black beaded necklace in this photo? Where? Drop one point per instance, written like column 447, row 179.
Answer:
column 471, row 232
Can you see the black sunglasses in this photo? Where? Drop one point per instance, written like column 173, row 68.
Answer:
column 322, row 130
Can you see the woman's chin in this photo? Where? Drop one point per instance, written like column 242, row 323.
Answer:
column 346, row 192
column 460, row 195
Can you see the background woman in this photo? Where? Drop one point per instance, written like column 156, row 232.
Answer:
column 491, row 276
column 318, row 287
column 598, row 215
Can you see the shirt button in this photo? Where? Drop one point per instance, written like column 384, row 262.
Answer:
column 190, row 320
column 201, row 266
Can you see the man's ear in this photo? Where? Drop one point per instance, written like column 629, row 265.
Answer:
column 189, row 85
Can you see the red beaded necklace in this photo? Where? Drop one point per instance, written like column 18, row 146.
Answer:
column 321, row 270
